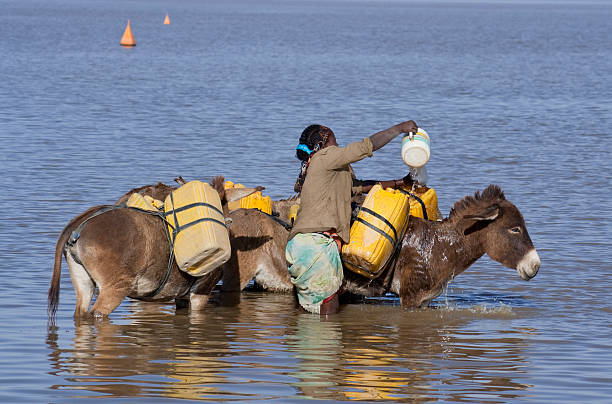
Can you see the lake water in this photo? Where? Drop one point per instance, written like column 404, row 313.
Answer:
column 512, row 93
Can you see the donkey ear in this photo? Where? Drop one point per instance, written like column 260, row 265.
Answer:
column 472, row 223
column 489, row 213
column 234, row 194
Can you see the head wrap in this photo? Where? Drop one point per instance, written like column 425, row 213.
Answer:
column 312, row 140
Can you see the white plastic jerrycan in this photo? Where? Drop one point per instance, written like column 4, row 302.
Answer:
column 416, row 148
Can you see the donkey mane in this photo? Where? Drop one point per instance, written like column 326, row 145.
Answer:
column 157, row 191
column 137, row 190
column 491, row 194
column 218, row 184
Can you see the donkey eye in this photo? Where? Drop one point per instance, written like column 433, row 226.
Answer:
column 515, row 230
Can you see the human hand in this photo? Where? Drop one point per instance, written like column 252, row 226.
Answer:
column 408, row 180
column 408, row 126
column 403, row 182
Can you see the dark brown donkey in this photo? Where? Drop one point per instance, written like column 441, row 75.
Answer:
column 125, row 252
column 431, row 253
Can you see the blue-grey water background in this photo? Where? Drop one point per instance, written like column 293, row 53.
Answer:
column 513, row 93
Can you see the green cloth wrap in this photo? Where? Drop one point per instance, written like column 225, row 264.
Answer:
column 315, row 268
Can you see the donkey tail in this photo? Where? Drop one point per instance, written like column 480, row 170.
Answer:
column 54, row 289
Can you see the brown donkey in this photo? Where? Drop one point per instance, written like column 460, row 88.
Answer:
column 430, row 255
column 257, row 240
column 433, row 253
column 258, row 245
column 124, row 252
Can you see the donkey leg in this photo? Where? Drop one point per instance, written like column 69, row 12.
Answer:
column 200, row 291
column 83, row 286
column 231, row 273
column 272, row 274
column 108, row 300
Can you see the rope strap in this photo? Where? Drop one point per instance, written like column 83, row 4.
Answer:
column 203, row 219
column 419, row 200
column 395, row 242
column 192, row 205
column 381, row 218
column 376, row 229
column 76, row 233
column 177, row 227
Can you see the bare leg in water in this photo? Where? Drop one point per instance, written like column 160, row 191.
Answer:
column 330, row 306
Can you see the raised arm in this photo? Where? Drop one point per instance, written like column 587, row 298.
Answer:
column 379, row 139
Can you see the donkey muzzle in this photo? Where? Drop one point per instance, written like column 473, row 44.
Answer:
column 529, row 265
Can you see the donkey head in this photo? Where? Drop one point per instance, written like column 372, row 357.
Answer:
column 501, row 230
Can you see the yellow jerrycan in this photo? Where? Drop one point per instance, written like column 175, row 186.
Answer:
column 234, row 204
column 197, row 225
column 254, row 201
column 378, row 228
column 423, row 202
column 257, row 201
column 144, row 202
column 293, row 210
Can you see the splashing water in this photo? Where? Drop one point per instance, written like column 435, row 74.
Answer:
column 419, row 175
column 445, row 290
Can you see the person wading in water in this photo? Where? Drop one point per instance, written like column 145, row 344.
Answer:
column 322, row 224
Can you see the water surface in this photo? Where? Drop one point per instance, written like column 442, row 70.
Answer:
column 514, row 94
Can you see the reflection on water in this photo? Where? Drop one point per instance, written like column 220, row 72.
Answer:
column 227, row 89
column 265, row 348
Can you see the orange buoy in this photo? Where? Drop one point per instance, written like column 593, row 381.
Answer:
column 128, row 38
column 167, row 20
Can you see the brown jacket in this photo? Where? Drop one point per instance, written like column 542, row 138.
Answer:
column 325, row 201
